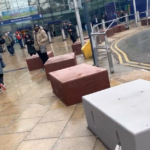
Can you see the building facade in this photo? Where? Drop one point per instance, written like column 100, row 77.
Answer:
column 51, row 11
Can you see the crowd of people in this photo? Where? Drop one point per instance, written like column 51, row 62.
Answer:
column 7, row 42
column 35, row 44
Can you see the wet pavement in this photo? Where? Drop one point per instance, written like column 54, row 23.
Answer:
column 32, row 117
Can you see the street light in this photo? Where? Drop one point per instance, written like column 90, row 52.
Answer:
column 78, row 21
column 86, row 14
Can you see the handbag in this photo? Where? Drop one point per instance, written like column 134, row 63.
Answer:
column 43, row 48
column 3, row 64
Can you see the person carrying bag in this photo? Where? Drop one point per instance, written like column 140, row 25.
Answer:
column 40, row 41
column 10, row 47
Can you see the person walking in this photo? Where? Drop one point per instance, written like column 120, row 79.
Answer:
column 122, row 14
column 9, row 44
column 65, row 27
column 19, row 38
column 2, row 86
column 30, row 44
column 40, row 41
column 72, row 32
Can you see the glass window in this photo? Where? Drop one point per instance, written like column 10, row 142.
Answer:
column 55, row 6
column 23, row 3
column 43, row 1
column 3, row 6
column 45, row 7
column 6, row 28
column 32, row 2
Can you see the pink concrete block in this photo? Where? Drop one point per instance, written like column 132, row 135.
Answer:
column 76, row 48
column 119, row 28
column 59, row 62
column 34, row 62
column 72, row 83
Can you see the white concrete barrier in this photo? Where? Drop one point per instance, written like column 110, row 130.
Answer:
column 121, row 115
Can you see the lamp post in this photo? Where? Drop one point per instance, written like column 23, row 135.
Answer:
column 78, row 21
column 89, row 28
column 135, row 12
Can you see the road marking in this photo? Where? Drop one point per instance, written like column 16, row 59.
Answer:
column 137, row 66
column 119, row 56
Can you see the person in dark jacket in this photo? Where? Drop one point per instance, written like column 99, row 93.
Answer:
column 105, row 19
column 122, row 15
column 72, row 32
column 2, row 44
column 30, row 44
column 2, row 86
column 65, row 27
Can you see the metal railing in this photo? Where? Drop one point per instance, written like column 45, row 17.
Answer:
column 95, row 35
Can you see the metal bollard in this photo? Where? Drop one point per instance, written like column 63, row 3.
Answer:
column 91, row 26
column 103, row 24
column 138, row 16
column 63, row 34
column 95, row 52
column 97, row 30
column 111, row 66
column 127, row 21
column 49, row 37
column 77, row 29
column 23, row 42
column 96, row 20
column 147, row 18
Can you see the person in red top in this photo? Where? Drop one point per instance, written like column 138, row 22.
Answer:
column 19, row 38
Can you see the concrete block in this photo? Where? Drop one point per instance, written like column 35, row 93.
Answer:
column 76, row 48
column 34, row 62
column 121, row 115
column 144, row 22
column 72, row 83
column 60, row 62
column 119, row 28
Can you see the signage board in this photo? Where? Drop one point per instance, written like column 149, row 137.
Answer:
column 11, row 21
column 19, row 12
column 111, row 12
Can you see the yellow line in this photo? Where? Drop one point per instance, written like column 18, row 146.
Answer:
column 119, row 56
column 126, row 57
column 142, row 67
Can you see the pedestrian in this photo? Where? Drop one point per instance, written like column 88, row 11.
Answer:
column 2, row 65
column 30, row 44
column 72, row 32
column 65, row 27
column 122, row 15
column 13, row 41
column 40, row 41
column 9, row 44
column 9, row 35
column 2, row 44
column 19, row 38
column 104, row 17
